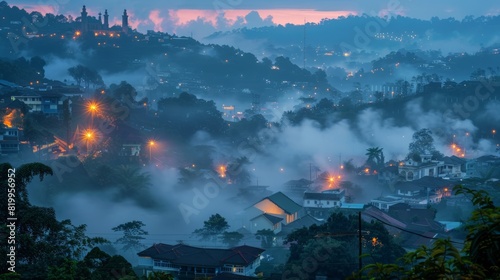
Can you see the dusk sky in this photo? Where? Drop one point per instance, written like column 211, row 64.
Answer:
column 201, row 18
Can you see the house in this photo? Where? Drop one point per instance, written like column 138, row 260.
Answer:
column 7, row 84
column 277, row 205
column 388, row 173
column 393, row 226
column 129, row 141
column 305, row 221
column 319, row 205
column 427, row 190
column 266, row 221
column 49, row 103
column 482, row 166
column 296, row 188
column 420, row 219
column 452, row 167
column 190, row 262
column 448, row 167
column 9, row 140
column 415, row 233
column 384, row 203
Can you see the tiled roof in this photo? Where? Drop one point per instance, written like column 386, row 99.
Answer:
column 305, row 221
column 284, row 202
column 182, row 254
column 273, row 219
column 323, row 196
column 423, row 183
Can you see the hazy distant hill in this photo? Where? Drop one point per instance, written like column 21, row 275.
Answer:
column 360, row 31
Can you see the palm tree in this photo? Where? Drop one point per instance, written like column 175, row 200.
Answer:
column 375, row 157
column 131, row 180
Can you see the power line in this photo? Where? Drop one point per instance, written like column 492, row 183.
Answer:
column 408, row 231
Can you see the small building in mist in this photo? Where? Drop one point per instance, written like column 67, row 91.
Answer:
column 385, row 202
column 9, row 140
column 276, row 206
column 320, row 204
column 189, row 262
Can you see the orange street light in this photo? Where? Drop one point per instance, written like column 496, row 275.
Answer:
column 93, row 108
column 89, row 136
column 151, row 144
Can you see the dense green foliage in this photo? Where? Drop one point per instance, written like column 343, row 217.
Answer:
column 45, row 247
column 478, row 259
column 329, row 249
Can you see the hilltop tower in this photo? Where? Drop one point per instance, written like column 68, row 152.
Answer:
column 106, row 20
column 85, row 24
column 100, row 19
column 125, row 22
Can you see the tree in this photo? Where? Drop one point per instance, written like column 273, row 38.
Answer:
column 84, row 74
column 266, row 237
column 212, row 228
column 422, row 144
column 42, row 240
column 77, row 73
column 132, row 235
column 67, row 270
column 479, row 258
column 375, row 157
column 131, row 180
column 124, row 92
column 231, row 238
column 330, row 246
column 160, row 275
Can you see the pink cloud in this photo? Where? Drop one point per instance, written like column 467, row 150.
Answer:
column 284, row 16
column 43, row 9
column 183, row 17
column 157, row 20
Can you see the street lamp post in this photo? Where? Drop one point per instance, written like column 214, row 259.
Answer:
column 88, row 137
column 92, row 108
column 151, row 144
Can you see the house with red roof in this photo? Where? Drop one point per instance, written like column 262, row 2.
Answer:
column 189, row 262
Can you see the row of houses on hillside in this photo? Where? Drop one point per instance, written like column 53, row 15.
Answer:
column 413, row 227
column 453, row 168
column 421, row 192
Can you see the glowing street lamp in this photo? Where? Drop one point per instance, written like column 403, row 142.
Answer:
column 151, row 144
column 89, row 136
column 93, row 108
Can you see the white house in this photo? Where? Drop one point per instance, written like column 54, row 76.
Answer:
column 449, row 167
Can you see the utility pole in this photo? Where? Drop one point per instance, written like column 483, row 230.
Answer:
column 359, row 242
column 360, row 238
